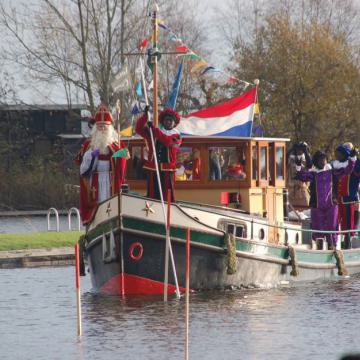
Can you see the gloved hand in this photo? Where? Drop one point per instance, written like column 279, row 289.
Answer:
column 153, row 51
column 146, row 109
column 95, row 153
column 354, row 152
column 150, row 124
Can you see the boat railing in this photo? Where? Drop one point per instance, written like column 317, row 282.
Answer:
column 284, row 227
column 354, row 234
column 53, row 210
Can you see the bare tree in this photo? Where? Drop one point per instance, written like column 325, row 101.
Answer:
column 80, row 42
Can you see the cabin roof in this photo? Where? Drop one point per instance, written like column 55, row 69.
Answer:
column 202, row 138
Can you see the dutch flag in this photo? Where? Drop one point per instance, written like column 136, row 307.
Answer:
column 231, row 118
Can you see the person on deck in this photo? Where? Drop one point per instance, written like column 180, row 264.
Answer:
column 167, row 141
column 347, row 191
column 298, row 191
column 101, row 175
column 323, row 200
column 216, row 161
column 196, row 164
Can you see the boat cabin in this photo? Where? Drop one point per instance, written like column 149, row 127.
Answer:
column 246, row 173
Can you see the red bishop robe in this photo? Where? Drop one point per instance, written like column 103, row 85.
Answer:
column 89, row 182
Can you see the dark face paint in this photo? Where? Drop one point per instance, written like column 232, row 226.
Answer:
column 168, row 122
column 340, row 156
column 322, row 162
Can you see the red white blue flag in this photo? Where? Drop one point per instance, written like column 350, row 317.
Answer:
column 231, row 118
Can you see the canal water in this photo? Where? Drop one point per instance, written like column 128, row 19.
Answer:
column 38, row 321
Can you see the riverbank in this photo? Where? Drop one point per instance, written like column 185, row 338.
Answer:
column 38, row 240
column 37, row 257
column 38, row 249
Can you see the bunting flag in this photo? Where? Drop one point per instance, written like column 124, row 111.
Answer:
column 122, row 153
column 143, row 44
column 231, row 118
column 121, row 81
column 127, row 132
column 199, row 66
column 213, row 74
column 135, row 109
column 139, row 89
column 175, row 88
column 182, row 48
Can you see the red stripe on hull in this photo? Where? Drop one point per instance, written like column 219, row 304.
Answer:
column 136, row 285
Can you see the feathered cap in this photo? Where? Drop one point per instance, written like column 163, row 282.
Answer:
column 169, row 112
column 349, row 145
column 301, row 145
column 103, row 115
column 344, row 149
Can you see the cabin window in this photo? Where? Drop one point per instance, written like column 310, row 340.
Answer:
column 134, row 168
column 240, row 231
column 280, row 163
column 230, row 228
column 227, row 163
column 188, row 164
column 254, row 163
column 263, row 163
column 271, row 164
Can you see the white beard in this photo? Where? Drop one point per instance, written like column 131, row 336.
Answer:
column 102, row 139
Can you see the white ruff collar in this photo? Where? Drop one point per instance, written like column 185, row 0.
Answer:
column 327, row 167
column 340, row 164
column 169, row 132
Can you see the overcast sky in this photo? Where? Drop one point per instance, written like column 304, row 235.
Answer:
column 28, row 92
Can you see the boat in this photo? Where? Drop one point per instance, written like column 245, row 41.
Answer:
column 126, row 254
column 236, row 214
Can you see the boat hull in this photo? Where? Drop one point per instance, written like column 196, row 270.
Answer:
column 258, row 265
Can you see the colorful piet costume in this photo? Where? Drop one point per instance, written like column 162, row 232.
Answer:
column 323, row 197
column 167, row 143
column 101, row 175
column 348, row 195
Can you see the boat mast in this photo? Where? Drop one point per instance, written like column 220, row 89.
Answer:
column 154, row 61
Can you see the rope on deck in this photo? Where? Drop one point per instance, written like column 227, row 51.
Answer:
column 231, row 254
column 340, row 263
column 294, row 262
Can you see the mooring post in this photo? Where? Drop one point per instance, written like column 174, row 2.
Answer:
column 77, row 282
column 166, row 269
column 187, row 291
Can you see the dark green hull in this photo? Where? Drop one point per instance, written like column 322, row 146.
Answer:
column 259, row 264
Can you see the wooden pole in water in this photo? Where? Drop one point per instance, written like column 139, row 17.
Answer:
column 167, row 241
column 77, row 281
column 187, row 290
column 118, row 110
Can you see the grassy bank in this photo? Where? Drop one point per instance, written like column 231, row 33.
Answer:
column 38, row 240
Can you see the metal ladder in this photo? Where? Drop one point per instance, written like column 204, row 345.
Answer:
column 69, row 213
